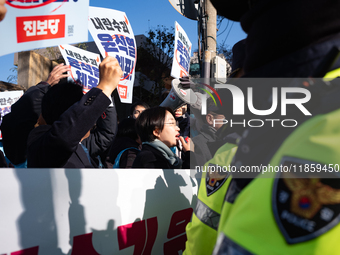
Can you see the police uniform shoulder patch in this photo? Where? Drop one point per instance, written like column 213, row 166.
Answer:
column 305, row 205
column 215, row 178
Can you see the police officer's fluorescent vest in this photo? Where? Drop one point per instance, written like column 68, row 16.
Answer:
column 251, row 225
column 293, row 215
column 202, row 230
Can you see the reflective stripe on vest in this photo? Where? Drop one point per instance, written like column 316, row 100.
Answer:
column 332, row 75
column 207, row 215
column 226, row 246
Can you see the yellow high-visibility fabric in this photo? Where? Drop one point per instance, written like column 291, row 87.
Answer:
column 201, row 237
column 251, row 223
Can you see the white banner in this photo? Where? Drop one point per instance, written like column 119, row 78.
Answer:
column 113, row 35
column 94, row 211
column 84, row 66
column 182, row 53
column 8, row 98
column 42, row 23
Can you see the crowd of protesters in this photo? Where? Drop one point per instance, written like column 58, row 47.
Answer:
column 54, row 125
column 280, row 213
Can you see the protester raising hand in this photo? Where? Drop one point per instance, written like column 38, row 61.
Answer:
column 58, row 73
column 187, row 144
column 109, row 75
column 69, row 118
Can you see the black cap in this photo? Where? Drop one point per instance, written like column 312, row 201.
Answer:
column 231, row 9
column 227, row 101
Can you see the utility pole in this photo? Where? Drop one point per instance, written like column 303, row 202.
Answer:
column 205, row 13
column 209, row 38
column 211, row 28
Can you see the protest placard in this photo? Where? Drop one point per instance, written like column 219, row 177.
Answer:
column 113, row 35
column 42, row 23
column 182, row 53
column 84, row 66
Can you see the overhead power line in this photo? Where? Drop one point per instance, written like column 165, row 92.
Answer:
column 228, row 33
column 224, row 29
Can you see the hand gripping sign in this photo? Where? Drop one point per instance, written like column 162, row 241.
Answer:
column 182, row 52
column 32, row 24
column 113, row 35
column 84, row 66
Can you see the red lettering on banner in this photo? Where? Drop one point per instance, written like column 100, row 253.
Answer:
column 137, row 234
column 141, row 234
column 29, row 251
column 82, row 244
column 132, row 234
column 152, row 226
column 178, row 222
column 36, row 28
column 175, row 245
column 122, row 90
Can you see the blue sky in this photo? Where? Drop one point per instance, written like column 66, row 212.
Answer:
column 147, row 14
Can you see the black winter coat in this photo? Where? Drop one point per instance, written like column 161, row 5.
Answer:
column 17, row 124
column 128, row 156
column 58, row 145
column 150, row 157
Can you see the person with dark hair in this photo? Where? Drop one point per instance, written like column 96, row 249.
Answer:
column 66, row 119
column 207, row 141
column 17, row 124
column 126, row 145
column 285, row 211
column 158, row 132
column 137, row 108
column 56, row 101
column 183, row 119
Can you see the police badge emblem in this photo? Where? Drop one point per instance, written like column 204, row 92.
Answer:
column 305, row 206
column 215, row 179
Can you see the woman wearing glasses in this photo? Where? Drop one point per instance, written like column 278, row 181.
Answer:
column 158, row 131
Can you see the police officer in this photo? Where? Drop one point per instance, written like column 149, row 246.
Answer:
column 202, row 230
column 289, row 215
